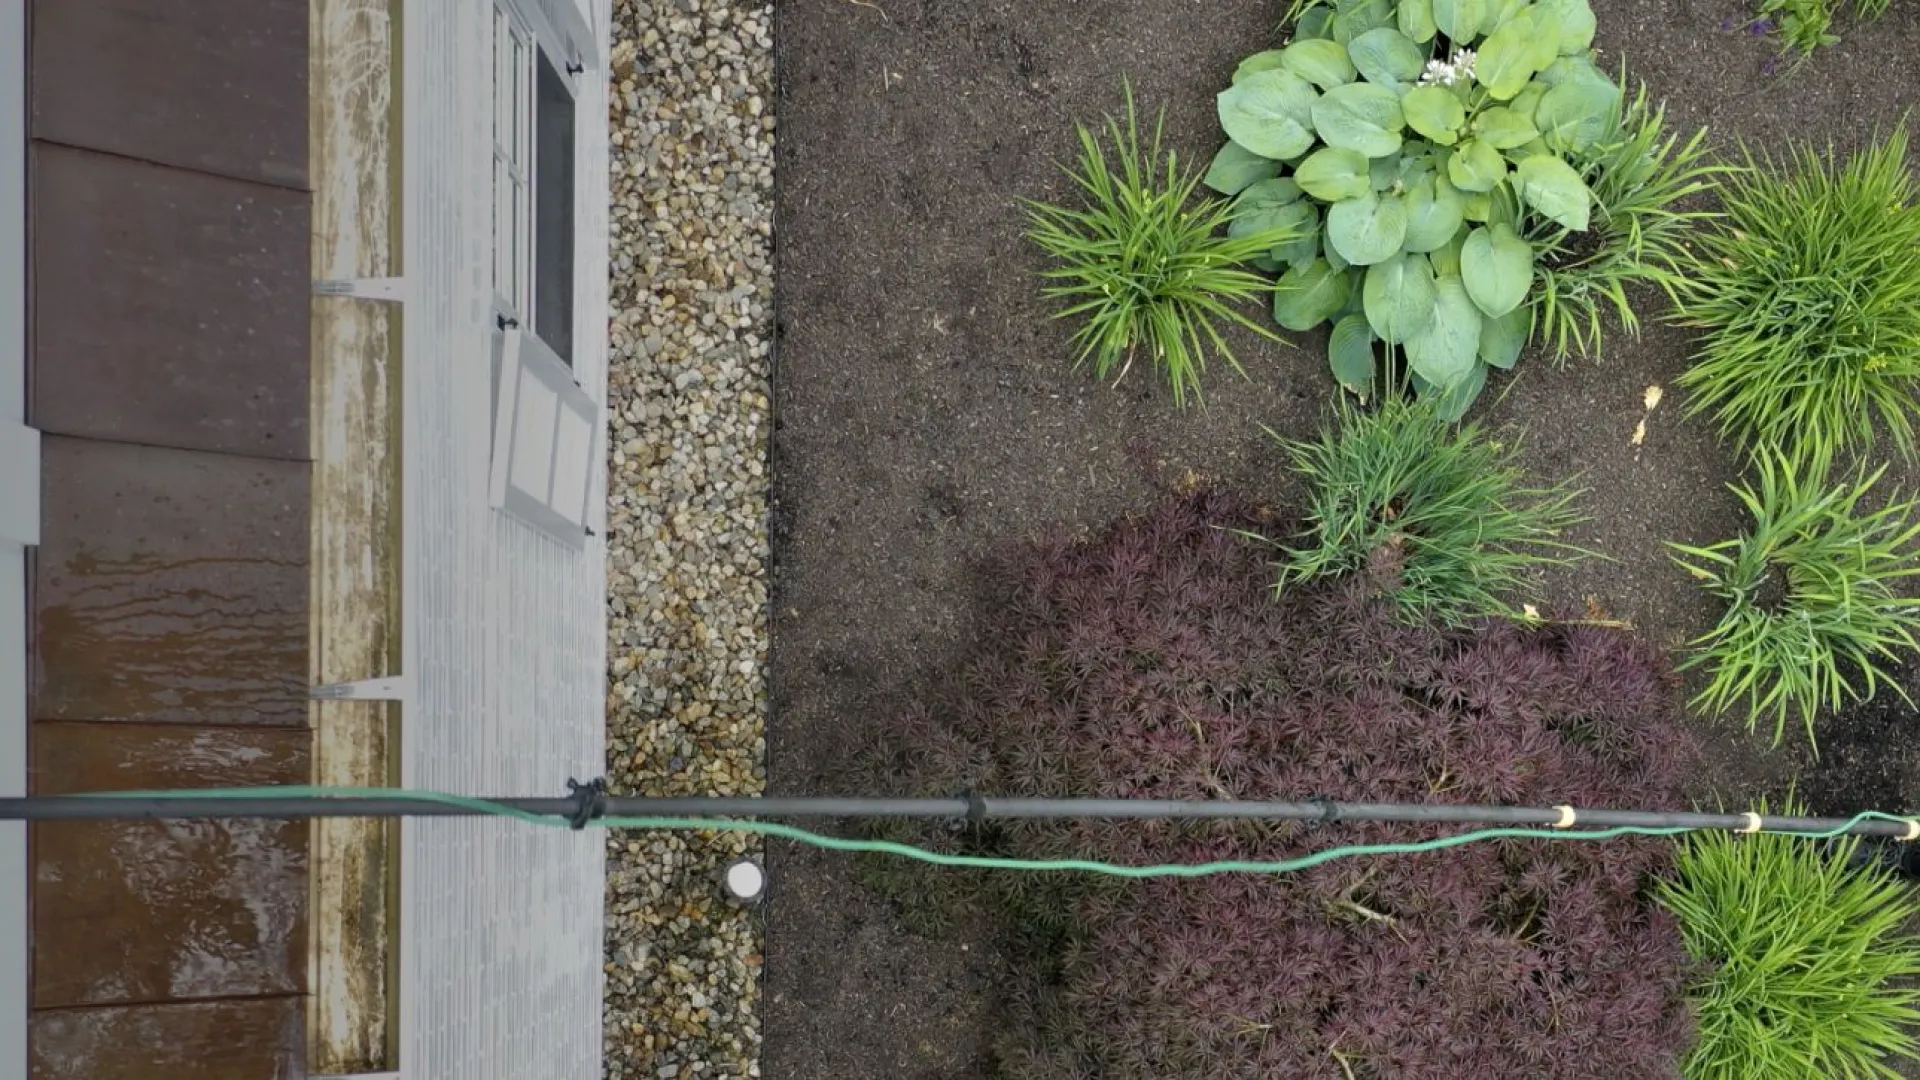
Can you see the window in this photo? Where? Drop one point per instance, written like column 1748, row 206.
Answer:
column 533, row 179
column 546, row 428
column 511, row 177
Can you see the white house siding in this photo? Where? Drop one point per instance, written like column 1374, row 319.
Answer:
column 503, row 637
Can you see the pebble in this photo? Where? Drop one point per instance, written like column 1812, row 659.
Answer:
column 692, row 291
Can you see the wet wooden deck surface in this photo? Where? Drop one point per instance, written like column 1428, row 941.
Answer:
column 170, row 370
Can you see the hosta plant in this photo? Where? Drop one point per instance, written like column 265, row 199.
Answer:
column 1416, row 148
column 1815, row 610
column 1809, row 296
column 1806, row 965
column 1141, row 266
column 1438, row 518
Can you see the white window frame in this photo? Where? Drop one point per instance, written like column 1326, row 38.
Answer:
column 513, row 69
column 543, row 459
column 19, row 529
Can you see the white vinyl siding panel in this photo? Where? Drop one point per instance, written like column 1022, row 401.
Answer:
column 503, row 624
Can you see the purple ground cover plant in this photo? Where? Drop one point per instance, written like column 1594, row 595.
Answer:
column 1154, row 660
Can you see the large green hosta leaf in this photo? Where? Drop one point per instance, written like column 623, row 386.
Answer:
column 1368, row 229
column 1353, row 18
column 1435, row 112
column 1573, row 23
column 1460, row 20
column 1275, row 204
column 1350, row 354
column 1332, row 173
column 1502, row 339
column 1476, row 167
column 1452, row 402
column 1387, row 57
column 1270, row 60
column 1322, row 63
column 1510, row 56
column 1359, row 116
column 1576, row 114
column 1235, row 168
column 1309, row 295
column 1496, row 266
column 1398, row 297
column 1435, row 212
column 1550, row 186
column 1447, row 349
column 1503, row 129
column 1269, row 113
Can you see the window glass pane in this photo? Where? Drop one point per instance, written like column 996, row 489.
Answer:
column 502, row 230
column 519, row 143
column 553, row 212
column 502, row 80
column 522, row 243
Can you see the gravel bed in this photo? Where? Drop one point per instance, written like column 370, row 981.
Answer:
column 692, row 290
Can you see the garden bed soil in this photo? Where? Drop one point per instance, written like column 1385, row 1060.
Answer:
column 926, row 414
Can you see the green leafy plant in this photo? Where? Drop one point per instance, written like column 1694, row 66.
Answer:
column 1805, row 962
column 1440, row 518
column 1812, row 616
column 1143, row 269
column 1638, row 176
column 1809, row 293
column 1415, row 147
column 1806, row 25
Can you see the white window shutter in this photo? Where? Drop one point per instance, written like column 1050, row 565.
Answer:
column 545, row 440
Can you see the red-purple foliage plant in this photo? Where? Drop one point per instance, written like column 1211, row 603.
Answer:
column 1155, row 661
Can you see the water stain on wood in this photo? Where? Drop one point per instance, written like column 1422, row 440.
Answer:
column 170, row 586
column 258, row 1039
column 142, row 911
column 356, row 550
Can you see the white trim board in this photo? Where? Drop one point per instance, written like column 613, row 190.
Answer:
column 19, row 526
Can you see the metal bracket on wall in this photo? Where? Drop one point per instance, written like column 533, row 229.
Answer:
column 393, row 688
column 393, row 290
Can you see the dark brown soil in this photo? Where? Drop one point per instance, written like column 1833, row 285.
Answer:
column 926, row 414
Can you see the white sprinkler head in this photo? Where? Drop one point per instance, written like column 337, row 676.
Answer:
column 745, row 880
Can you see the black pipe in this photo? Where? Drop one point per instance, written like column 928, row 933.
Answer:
column 154, row 807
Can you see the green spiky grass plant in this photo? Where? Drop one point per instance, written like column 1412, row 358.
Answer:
column 1814, row 617
column 1141, row 268
column 1638, row 178
column 1805, row 966
column 1441, row 517
column 1809, row 293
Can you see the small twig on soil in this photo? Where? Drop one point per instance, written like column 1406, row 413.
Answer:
column 874, row 6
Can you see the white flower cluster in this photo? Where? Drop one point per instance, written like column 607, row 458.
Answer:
column 1446, row 74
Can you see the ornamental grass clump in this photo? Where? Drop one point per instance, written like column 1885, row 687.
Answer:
column 1440, row 518
column 1809, row 296
column 1639, row 175
column 1806, row 963
column 1815, row 612
column 1141, row 266
column 1152, row 661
